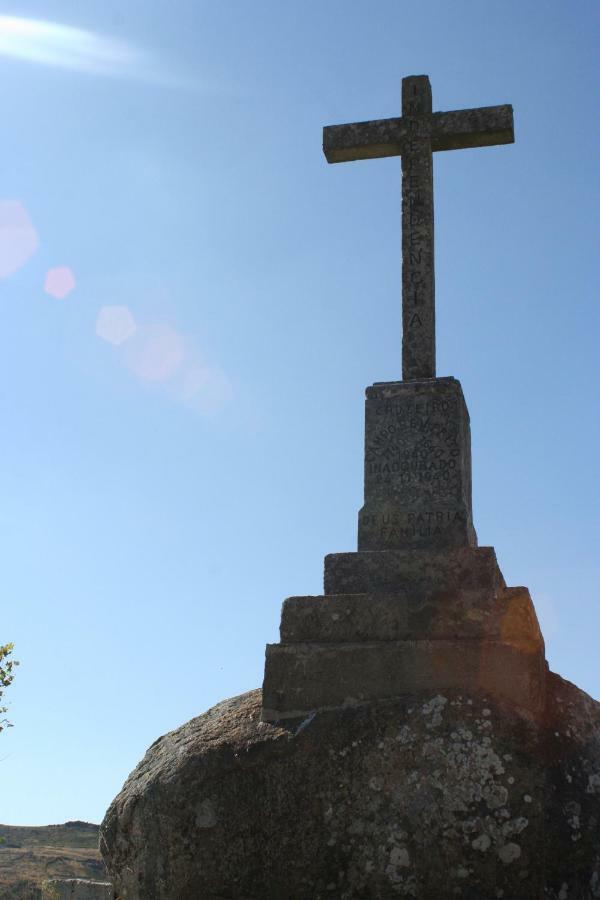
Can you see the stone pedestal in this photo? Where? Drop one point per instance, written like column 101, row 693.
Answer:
column 417, row 467
column 420, row 607
column 409, row 739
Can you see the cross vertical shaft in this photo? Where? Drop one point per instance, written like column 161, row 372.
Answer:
column 418, row 281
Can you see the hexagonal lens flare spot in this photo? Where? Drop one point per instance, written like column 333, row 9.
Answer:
column 59, row 282
column 115, row 324
column 157, row 352
column 206, row 388
column 18, row 237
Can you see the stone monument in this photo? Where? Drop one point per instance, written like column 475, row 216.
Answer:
column 419, row 605
column 409, row 740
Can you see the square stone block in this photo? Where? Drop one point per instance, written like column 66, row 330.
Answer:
column 507, row 615
column 301, row 678
column 416, row 571
column 417, row 466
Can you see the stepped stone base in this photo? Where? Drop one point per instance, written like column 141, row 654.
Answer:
column 397, row 621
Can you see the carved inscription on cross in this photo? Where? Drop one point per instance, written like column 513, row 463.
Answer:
column 413, row 137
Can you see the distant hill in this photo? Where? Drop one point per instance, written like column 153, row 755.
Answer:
column 29, row 854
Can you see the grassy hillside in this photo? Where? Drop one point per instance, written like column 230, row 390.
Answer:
column 29, row 854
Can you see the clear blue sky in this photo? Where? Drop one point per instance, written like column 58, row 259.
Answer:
column 160, row 497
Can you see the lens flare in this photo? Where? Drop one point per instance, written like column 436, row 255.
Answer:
column 59, row 282
column 115, row 324
column 18, row 238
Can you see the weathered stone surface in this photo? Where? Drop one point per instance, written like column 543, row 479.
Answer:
column 452, row 624
column 303, row 677
column 454, row 130
column 431, row 796
column 507, row 615
column 418, row 277
column 414, row 571
column 414, row 137
column 417, row 467
column 463, row 128
column 76, row 889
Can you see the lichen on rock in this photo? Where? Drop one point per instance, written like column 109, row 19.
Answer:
column 426, row 796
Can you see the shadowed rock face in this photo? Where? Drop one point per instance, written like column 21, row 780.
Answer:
column 426, row 796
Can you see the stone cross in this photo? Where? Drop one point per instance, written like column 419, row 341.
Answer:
column 413, row 137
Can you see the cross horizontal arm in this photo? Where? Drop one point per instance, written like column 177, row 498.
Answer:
column 364, row 140
column 481, row 127
column 454, row 130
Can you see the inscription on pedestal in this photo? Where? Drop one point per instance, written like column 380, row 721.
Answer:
column 417, row 466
